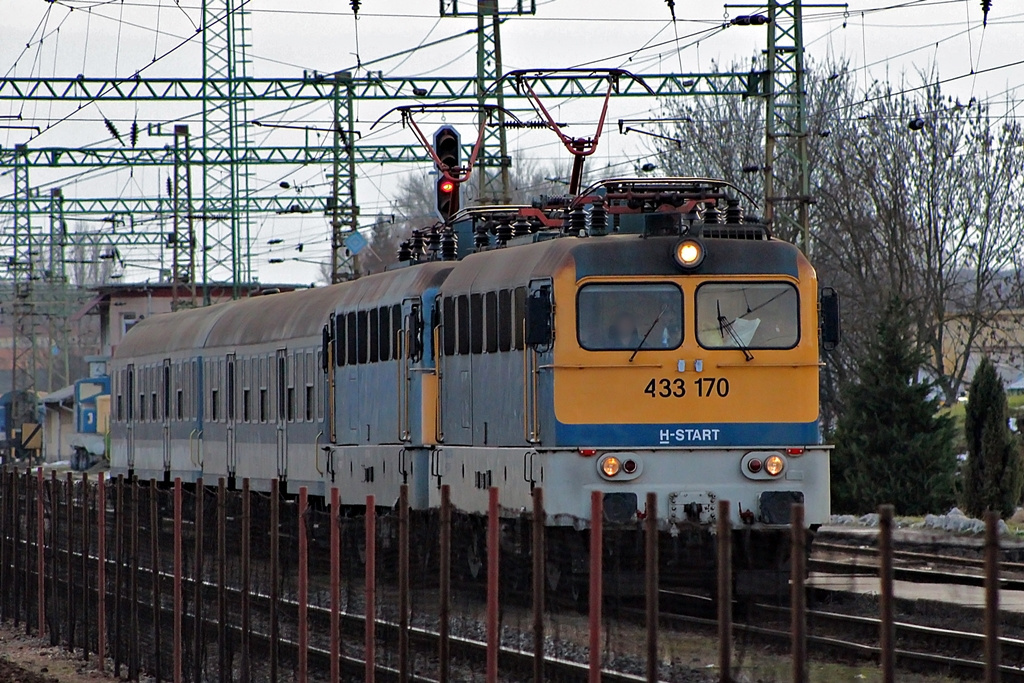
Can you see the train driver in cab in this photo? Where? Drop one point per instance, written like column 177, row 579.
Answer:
column 623, row 332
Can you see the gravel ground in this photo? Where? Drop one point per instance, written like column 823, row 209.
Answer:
column 27, row 659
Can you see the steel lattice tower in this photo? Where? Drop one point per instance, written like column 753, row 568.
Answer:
column 786, row 179
column 494, row 176
column 183, row 238
column 342, row 207
column 58, row 297
column 224, row 213
column 21, row 268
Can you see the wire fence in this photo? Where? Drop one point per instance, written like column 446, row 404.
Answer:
column 201, row 583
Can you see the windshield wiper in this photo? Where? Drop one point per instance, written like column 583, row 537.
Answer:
column 725, row 324
column 649, row 330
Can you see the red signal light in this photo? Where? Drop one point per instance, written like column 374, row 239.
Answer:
column 447, row 186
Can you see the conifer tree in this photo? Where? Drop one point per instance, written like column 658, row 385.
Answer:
column 994, row 473
column 892, row 446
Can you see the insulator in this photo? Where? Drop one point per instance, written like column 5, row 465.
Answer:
column 113, row 130
column 416, row 244
column 521, row 227
column 169, row 192
column 449, row 246
column 434, row 243
column 598, row 218
column 578, row 221
column 134, row 134
column 711, row 215
column 404, row 252
column 355, row 6
column 480, row 237
column 733, row 212
column 503, row 231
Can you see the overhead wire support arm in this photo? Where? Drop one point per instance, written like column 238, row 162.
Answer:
column 625, row 128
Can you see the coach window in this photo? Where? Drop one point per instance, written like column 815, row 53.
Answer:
column 380, row 325
column 194, row 396
column 350, row 332
column 749, row 315
column 628, row 316
column 448, row 326
column 119, row 392
column 153, row 406
column 519, row 317
column 505, row 320
column 361, row 336
column 462, row 306
column 264, row 381
column 231, row 390
column 167, row 389
column 373, row 332
column 339, row 340
column 321, row 381
column 292, row 367
column 310, row 399
column 396, row 331
column 476, row 323
column 491, row 322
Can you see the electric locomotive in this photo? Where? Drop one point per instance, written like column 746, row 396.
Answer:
column 643, row 335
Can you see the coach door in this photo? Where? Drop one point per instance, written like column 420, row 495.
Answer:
column 409, row 351
column 282, row 422
column 538, row 337
column 166, row 380
column 229, row 436
column 130, row 405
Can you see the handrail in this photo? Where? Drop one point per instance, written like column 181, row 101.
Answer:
column 316, row 452
column 406, row 434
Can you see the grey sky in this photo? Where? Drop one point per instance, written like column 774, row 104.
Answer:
column 110, row 37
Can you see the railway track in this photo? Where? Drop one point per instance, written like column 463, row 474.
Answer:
column 915, row 557
column 467, row 652
column 912, row 574
column 851, row 636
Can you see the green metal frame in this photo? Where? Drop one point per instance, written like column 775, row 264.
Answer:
column 320, row 88
column 22, row 271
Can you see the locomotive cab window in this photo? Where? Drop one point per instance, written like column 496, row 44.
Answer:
column 748, row 315
column 620, row 317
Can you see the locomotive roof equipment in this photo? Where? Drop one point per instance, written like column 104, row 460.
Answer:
column 579, row 147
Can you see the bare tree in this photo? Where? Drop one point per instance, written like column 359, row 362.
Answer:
column 914, row 195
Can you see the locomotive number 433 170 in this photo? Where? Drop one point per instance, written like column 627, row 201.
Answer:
column 705, row 387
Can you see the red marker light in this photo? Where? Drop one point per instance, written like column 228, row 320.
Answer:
column 448, row 186
column 588, row 452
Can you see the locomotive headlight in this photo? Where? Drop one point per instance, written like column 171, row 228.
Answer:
column 689, row 253
column 610, row 466
column 774, row 464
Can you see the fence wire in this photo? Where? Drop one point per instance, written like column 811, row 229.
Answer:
column 211, row 584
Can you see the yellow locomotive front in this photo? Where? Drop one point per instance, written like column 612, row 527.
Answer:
column 684, row 361
column 697, row 384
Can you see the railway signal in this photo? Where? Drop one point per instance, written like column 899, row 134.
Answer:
column 447, row 146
